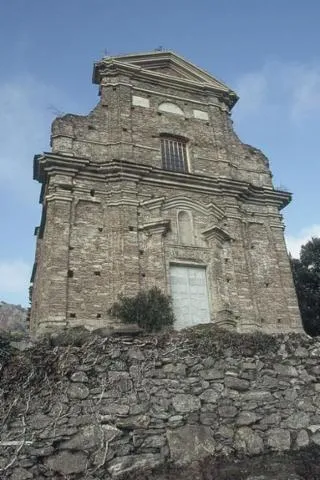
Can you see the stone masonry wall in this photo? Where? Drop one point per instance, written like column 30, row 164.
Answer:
column 110, row 210
column 99, row 244
column 88, row 406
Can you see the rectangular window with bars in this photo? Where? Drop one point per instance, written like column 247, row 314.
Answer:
column 174, row 154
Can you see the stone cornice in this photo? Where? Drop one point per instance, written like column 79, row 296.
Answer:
column 116, row 170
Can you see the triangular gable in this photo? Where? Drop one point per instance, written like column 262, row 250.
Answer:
column 166, row 70
column 176, row 66
column 168, row 65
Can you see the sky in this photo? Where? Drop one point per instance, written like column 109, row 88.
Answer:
column 267, row 51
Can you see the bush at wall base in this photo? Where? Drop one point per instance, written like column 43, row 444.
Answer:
column 150, row 309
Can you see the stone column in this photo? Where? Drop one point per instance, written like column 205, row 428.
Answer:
column 117, row 98
column 122, row 238
column 153, row 262
column 291, row 319
column 247, row 305
column 53, row 276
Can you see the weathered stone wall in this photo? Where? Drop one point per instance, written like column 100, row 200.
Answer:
column 100, row 407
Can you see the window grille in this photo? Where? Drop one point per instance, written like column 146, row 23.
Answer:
column 174, row 154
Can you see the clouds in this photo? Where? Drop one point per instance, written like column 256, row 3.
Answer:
column 24, row 130
column 14, row 277
column 294, row 86
column 306, row 94
column 294, row 242
column 25, row 119
column 252, row 89
column 279, row 111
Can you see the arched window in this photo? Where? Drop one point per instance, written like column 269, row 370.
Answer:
column 185, row 228
column 174, row 153
column 169, row 107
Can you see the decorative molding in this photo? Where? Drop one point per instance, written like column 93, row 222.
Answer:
column 152, row 60
column 87, row 199
column 213, row 102
column 217, row 233
column 201, row 115
column 56, row 196
column 169, row 107
column 112, row 144
column 159, row 226
column 123, row 201
column 185, row 202
column 116, row 170
column 154, row 203
column 281, row 227
column 184, row 260
column 196, row 248
column 253, row 221
column 140, row 101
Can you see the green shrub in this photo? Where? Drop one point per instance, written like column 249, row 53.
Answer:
column 150, row 309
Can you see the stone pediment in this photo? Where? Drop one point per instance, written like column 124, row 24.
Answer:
column 164, row 64
column 161, row 204
column 183, row 202
column 167, row 70
column 160, row 226
column 216, row 232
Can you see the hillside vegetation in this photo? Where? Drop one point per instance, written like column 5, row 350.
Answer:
column 12, row 317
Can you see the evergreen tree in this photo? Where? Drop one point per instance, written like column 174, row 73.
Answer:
column 306, row 275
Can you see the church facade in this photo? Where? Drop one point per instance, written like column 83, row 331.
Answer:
column 154, row 187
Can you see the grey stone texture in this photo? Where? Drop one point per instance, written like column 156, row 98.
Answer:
column 110, row 218
column 164, row 417
column 190, row 443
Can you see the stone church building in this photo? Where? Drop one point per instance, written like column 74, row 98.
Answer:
column 154, row 187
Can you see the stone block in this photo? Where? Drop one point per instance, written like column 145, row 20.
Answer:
column 302, row 439
column 297, row 421
column 20, row 474
column 235, row 383
column 80, row 377
column 66, row 462
column 279, row 439
column 210, row 396
column 227, row 411
column 78, row 391
column 133, row 421
column 247, row 418
column 248, row 441
column 128, row 464
column 185, row 403
column 189, row 443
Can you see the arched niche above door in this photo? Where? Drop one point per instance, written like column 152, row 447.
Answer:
column 185, row 227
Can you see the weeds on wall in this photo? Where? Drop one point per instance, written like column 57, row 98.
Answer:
column 5, row 349
column 150, row 309
column 207, row 339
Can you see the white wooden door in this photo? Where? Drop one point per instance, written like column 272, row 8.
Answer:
column 189, row 295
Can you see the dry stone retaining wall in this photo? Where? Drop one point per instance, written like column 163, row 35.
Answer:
column 109, row 407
